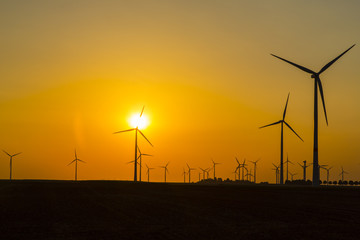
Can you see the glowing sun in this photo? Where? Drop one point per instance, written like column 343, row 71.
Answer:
column 137, row 121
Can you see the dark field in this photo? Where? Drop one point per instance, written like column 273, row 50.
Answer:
column 123, row 210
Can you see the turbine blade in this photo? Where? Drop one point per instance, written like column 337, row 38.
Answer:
column 287, row 100
column 322, row 98
column 293, row 130
column 144, row 154
column 130, row 162
column 237, row 160
column 334, row 60
column 271, row 124
column 7, row 153
column 167, row 164
column 188, row 166
column 296, row 65
column 16, row 154
column 81, row 160
column 144, row 137
column 71, row 162
column 128, row 130
column 142, row 111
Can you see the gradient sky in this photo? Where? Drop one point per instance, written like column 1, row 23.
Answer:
column 73, row 72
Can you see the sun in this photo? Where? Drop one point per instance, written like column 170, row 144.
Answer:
column 137, row 121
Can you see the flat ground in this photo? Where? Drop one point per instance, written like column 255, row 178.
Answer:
column 124, row 210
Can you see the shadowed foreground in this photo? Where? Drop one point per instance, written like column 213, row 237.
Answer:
column 123, row 210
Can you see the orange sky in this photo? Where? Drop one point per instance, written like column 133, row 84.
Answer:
column 72, row 73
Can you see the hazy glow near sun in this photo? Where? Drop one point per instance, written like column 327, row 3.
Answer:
column 140, row 122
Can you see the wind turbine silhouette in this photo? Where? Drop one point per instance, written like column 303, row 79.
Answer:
column 282, row 139
column 76, row 161
column 292, row 175
column 255, row 162
column 165, row 169
column 140, row 157
column 203, row 170
column 184, row 174
column 327, row 173
column 136, row 144
column 317, row 84
column 249, row 175
column 148, row 172
column 342, row 174
column 11, row 156
column 190, row 171
column 238, row 168
column 304, row 168
column 287, row 166
column 276, row 172
column 214, row 164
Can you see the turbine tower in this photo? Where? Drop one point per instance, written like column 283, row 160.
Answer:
column 255, row 162
column 140, row 158
column 11, row 157
column 190, row 172
column 287, row 166
column 76, row 160
column 136, row 144
column 184, row 174
column 282, row 139
column 304, row 168
column 214, row 164
column 165, row 169
column 204, row 171
column 276, row 172
column 342, row 174
column 148, row 172
column 317, row 84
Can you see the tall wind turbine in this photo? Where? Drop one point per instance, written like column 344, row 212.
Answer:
column 214, row 164
column 317, row 84
column 238, row 168
column 342, row 174
column 204, row 171
column 184, row 174
column 304, row 168
column 282, row 139
column 276, row 172
column 148, row 172
column 76, row 160
column 165, row 169
column 255, row 162
column 140, row 157
column 292, row 175
column 136, row 144
column 249, row 174
column 11, row 156
column 287, row 166
column 190, row 172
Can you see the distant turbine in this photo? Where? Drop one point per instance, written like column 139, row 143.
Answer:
column 140, row 157
column 11, row 156
column 317, row 83
column 255, row 162
column 327, row 173
column 148, row 172
column 204, row 171
column 243, row 167
column 292, row 175
column 136, row 144
column 342, row 174
column 249, row 175
column 214, row 164
column 190, row 172
column 184, row 174
column 165, row 169
column 287, row 166
column 76, row 161
column 238, row 168
column 282, row 139
column 304, row 168
column 276, row 172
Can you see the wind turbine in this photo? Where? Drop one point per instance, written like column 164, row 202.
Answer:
column 249, row 175
column 184, row 174
column 255, row 162
column 214, row 164
column 327, row 173
column 76, row 160
column 140, row 157
column 282, row 139
column 190, row 172
column 304, row 168
column 276, row 172
column 292, row 175
column 11, row 156
column 342, row 174
column 203, row 170
column 148, row 172
column 165, row 169
column 136, row 144
column 287, row 166
column 317, row 84
column 238, row 168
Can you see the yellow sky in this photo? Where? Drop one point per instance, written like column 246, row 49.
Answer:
column 72, row 73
